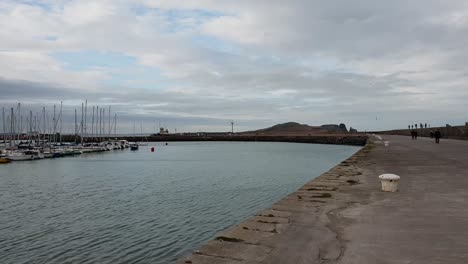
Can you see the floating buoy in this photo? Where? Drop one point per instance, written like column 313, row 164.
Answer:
column 152, row 149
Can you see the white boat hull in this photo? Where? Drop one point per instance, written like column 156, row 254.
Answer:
column 20, row 157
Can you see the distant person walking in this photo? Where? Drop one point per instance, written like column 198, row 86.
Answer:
column 431, row 134
column 437, row 136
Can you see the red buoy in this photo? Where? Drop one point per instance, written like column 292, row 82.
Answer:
column 152, row 149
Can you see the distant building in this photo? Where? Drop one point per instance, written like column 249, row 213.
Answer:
column 162, row 131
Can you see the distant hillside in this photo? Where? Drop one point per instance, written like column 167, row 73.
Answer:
column 296, row 128
column 341, row 128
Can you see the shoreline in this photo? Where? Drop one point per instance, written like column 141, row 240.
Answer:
column 292, row 223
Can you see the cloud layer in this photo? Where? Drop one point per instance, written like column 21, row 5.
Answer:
column 198, row 64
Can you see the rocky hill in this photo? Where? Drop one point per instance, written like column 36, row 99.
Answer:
column 296, row 128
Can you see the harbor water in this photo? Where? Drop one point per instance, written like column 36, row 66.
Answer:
column 141, row 207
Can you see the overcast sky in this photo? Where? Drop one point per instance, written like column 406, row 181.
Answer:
column 196, row 65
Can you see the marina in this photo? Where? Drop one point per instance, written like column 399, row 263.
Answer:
column 25, row 152
column 33, row 135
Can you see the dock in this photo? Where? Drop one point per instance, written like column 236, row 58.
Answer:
column 342, row 216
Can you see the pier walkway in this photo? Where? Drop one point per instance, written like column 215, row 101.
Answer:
column 343, row 217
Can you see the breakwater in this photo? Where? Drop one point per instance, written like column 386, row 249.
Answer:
column 337, row 139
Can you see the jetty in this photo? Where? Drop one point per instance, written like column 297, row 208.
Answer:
column 342, row 216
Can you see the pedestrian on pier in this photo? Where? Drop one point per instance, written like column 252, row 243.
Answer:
column 437, row 136
column 431, row 134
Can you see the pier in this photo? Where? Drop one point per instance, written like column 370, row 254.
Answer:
column 342, row 216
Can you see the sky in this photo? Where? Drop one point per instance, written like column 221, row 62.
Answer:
column 197, row 65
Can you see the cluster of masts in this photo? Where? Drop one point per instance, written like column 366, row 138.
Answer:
column 101, row 122
column 18, row 124
column 36, row 126
column 30, row 136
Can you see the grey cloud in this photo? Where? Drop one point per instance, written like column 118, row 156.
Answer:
column 308, row 61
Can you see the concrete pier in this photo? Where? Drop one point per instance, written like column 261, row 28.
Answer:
column 343, row 216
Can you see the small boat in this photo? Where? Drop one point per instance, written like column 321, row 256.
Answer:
column 48, row 154
column 4, row 160
column 124, row 144
column 36, row 154
column 19, row 156
column 134, row 147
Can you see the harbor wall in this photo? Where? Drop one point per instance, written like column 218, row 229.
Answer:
column 334, row 139
column 353, row 140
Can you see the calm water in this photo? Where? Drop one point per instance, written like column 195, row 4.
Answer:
column 142, row 207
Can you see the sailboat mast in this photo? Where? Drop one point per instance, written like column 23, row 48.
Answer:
column 92, row 124
column 30, row 122
column 85, row 118
column 54, row 126
column 3, row 120
column 109, row 120
column 44, row 123
column 100, row 122
column 20, row 120
column 81, row 127
column 12, row 127
column 97, row 120
column 61, row 121
column 76, row 128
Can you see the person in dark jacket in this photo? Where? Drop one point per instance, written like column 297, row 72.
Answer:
column 431, row 134
column 437, row 136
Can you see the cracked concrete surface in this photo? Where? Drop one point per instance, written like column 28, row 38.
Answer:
column 343, row 217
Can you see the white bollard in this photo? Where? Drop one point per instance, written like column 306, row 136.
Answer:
column 389, row 182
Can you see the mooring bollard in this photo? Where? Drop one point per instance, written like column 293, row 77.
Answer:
column 389, row 182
